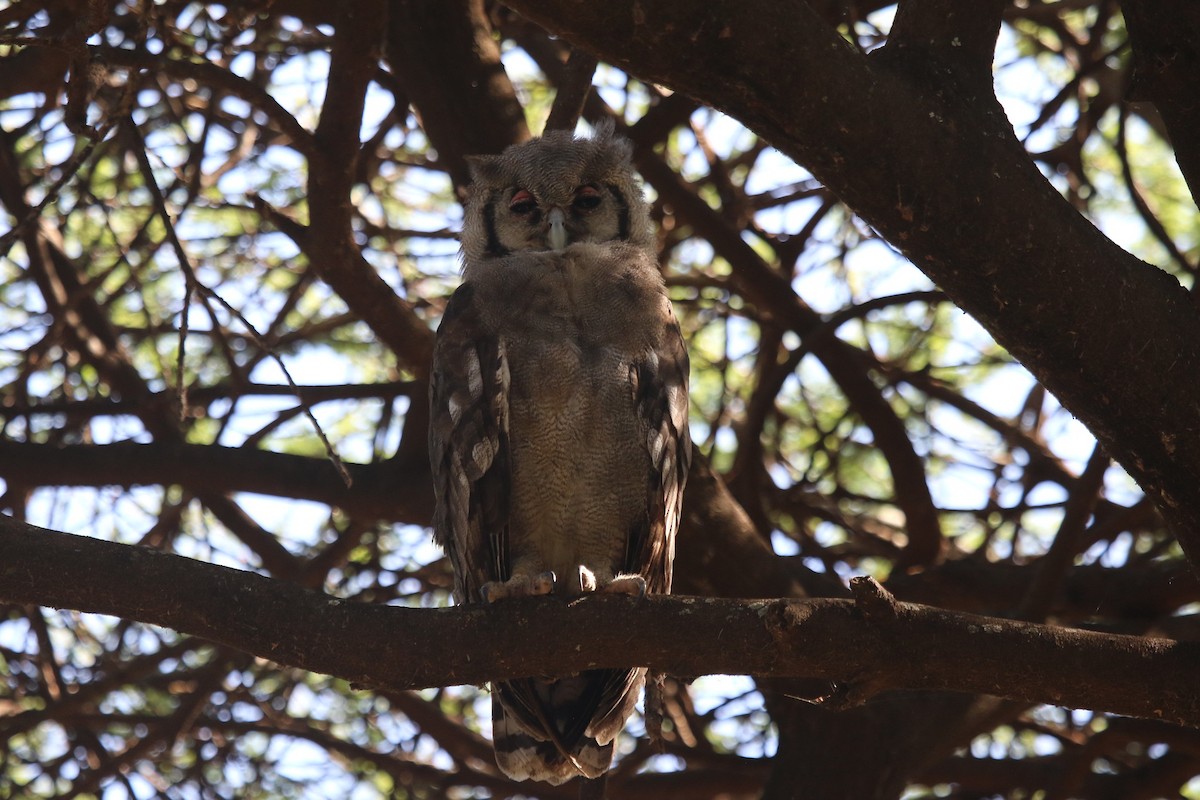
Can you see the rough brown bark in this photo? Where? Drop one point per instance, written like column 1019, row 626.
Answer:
column 330, row 240
column 444, row 54
column 871, row 646
column 1165, row 35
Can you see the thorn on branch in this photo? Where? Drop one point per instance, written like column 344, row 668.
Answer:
column 846, row 696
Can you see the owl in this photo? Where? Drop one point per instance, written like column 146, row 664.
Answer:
column 558, row 432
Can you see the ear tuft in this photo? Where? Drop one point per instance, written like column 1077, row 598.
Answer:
column 616, row 149
column 484, row 169
column 603, row 132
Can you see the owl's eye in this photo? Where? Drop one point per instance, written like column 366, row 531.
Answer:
column 522, row 202
column 586, row 198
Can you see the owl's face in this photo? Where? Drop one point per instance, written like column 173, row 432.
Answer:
column 551, row 192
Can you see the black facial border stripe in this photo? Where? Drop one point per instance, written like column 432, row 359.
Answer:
column 494, row 247
column 622, row 210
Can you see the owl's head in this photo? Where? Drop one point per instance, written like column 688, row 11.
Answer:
column 547, row 193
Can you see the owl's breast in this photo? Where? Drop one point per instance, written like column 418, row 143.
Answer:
column 575, row 327
column 570, row 372
column 579, row 462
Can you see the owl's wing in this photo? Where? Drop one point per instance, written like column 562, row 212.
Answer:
column 468, row 446
column 660, row 384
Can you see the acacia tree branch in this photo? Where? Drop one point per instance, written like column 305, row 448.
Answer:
column 574, row 85
column 875, row 646
column 330, row 242
column 771, row 290
column 1116, row 340
column 1166, row 66
column 951, row 32
column 444, row 54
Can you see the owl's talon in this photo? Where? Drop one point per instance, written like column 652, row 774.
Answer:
column 632, row 585
column 543, row 583
column 587, row 579
column 516, row 586
column 520, row 585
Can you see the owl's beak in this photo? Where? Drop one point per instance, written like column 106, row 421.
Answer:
column 557, row 238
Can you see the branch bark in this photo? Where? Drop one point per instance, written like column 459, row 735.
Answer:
column 390, row 648
column 331, row 243
column 1166, row 67
column 444, row 54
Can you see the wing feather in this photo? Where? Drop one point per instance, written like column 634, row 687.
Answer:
column 469, row 448
column 660, row 393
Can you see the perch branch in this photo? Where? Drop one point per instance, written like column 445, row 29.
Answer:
column 391, row 648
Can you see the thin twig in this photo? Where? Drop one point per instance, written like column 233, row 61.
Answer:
column 193, row 285
column 69, row 171
column 1157, row 229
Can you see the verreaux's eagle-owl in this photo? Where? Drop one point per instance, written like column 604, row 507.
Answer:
column 558, row 436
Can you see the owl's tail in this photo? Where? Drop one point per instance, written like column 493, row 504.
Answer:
column 556, row 730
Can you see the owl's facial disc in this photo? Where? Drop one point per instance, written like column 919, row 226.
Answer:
column 557, row 237
column 556, row 225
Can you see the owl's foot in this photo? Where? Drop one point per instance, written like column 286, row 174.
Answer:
column 587, row 579
column 519, row 585
column 632, row 585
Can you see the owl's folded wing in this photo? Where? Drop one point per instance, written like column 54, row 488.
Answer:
column 660, row 388
column 469, row 449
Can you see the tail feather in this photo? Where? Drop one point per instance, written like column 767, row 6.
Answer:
column 556, row 730
column 523, row 758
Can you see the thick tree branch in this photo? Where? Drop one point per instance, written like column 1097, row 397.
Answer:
column 958, row 34
column 574, row 85
column 1115, row 339
column 715, row 531
column 330, row 240
column 909, row 646
column 1166, row 61
column 445, row 56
